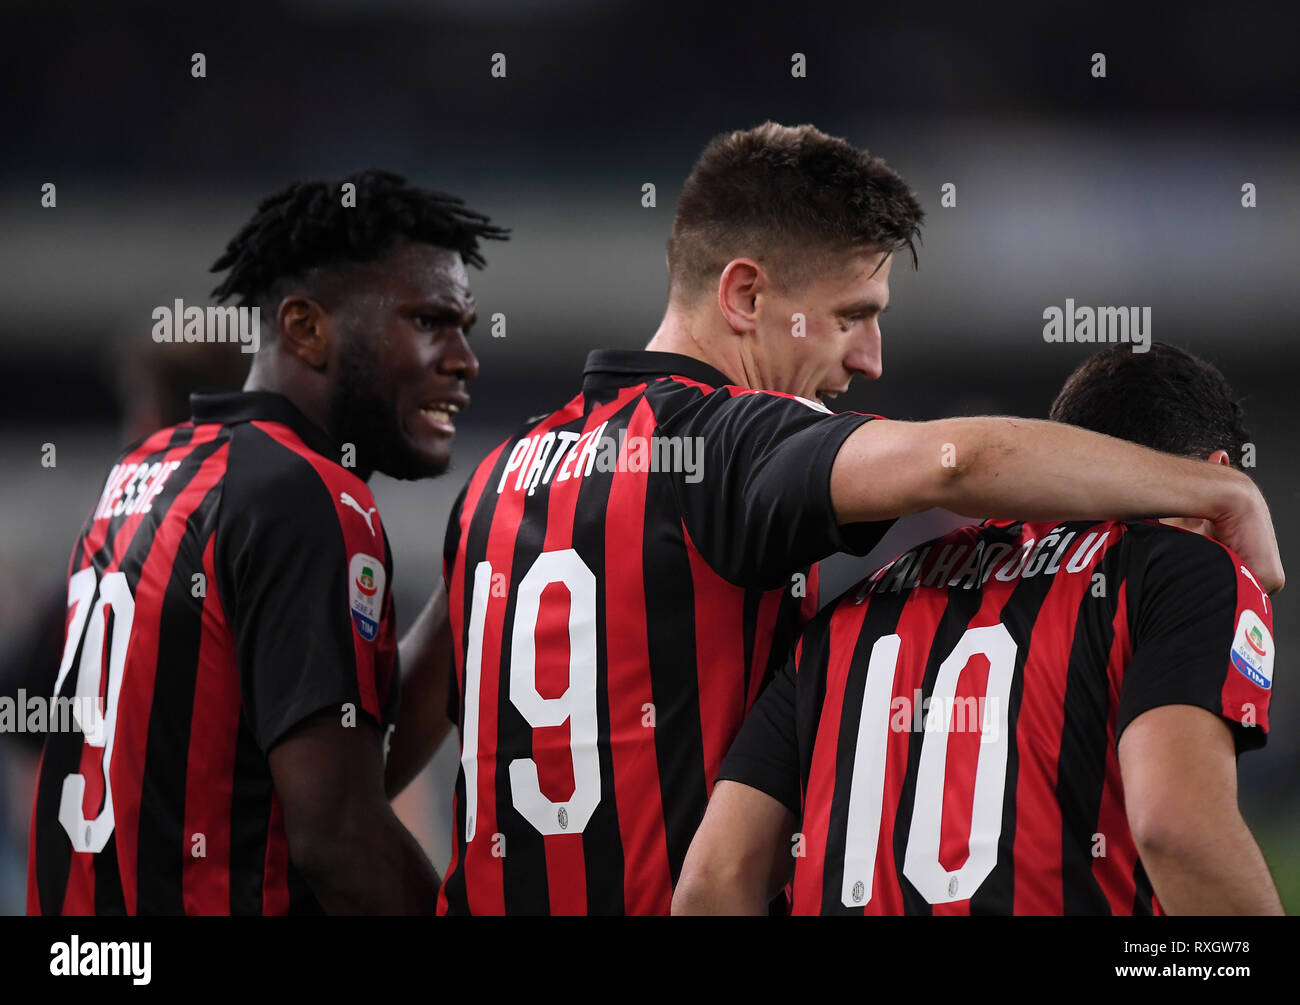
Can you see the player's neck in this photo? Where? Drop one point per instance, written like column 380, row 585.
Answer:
column 315, row 406
column 681, row 334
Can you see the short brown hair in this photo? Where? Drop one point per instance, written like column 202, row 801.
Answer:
column 790, row 197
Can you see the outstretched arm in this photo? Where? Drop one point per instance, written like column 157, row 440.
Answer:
column 1027, row 469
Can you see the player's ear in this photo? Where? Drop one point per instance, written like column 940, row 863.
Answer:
column 1221, row 457
column 738, row 287
column 305, row 330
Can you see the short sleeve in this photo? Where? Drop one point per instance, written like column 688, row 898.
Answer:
column 765, row 753
column 759, row 503
column 1202, row 633
column 303, row 571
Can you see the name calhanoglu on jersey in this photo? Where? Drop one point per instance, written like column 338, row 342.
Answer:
column 966, row 566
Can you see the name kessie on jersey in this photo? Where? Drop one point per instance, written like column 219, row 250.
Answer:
column 132, row 488
column 967, row 565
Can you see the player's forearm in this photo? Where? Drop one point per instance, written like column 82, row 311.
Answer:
column 1027, row 469
column 719, row 889
column 1024, row 469
column 377, row 869
column 1210, row 870
column 1031, row 469
column 425, row 656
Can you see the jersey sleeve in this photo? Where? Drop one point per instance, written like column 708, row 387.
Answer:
column 765, row 753
column 1202, row 633
column 304, row 580
column 759, row 504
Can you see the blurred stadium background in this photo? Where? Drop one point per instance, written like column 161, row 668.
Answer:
column 1124, row 190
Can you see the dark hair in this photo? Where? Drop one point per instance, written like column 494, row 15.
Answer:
column 791, row 195
column 1166, row 399
column 306, row 225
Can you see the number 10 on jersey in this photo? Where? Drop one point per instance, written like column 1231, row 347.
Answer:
column 577, row 704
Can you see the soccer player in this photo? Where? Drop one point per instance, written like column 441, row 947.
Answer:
column 1019, row 718
column 626, row 573
column 230, row 618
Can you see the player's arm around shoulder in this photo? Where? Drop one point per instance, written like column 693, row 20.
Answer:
column 1196, row 692
column 1028, row 469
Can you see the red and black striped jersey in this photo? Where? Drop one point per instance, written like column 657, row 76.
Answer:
column 231, row 581
column 624, row 575
column 947, row 730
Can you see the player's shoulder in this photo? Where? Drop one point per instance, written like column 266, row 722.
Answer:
column 272, row 470
column 1151, row 541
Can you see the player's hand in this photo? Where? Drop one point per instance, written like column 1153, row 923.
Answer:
column 1248, row 530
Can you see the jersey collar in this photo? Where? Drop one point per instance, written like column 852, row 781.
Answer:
column 623, row 367
column 231, row 407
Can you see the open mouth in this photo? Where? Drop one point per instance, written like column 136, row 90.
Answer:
column 440, row 414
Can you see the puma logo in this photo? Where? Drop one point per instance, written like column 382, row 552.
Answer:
column 347, row 500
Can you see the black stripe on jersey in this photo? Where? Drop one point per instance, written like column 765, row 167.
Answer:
column 108, row 882
column 1084, row 739
column 162, row 844
column 883, row 614
column 250, row 819
column 1143, row 905
column 604, row 870
column 479, row 531
column 674, row 684
column 996, row 894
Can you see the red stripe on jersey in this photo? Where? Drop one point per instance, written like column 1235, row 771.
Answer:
column 455, row 608
column 566, row 870
column 647, row 879
column 810, row 870
column 808, row 609
column 136, row 699
column 1039, row 880
column 916, row 628
column 1114, row 870
column 275, row 880
column 769, row 610
column 359, row 537
column 484, row 874
column 210, row 766
column 719, row 659
column 33, row 892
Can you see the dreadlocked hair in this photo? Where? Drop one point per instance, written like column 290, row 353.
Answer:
column 306, row 225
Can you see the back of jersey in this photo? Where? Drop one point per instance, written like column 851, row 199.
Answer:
column 231, row 582
column 131, row 596
column 621, row 587
column 951, row 731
